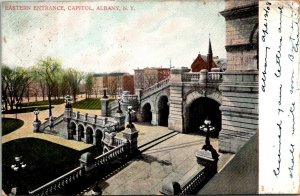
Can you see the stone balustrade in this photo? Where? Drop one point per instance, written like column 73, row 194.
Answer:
column 154, row 88
column 195, row 77
column 59, row 183
column 54, row 122
column 129, row 98
column 195, row 182
column 111, row 155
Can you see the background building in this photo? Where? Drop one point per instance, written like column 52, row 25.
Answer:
column 144, row 78
column 114, row 82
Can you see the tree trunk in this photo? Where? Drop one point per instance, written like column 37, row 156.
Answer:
column 50, row 103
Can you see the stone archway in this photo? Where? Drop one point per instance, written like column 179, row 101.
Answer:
column 146, row 113
column 163, row 111
column 98, row 137
column 73, row 130
column 89, row 135
column 80, row 132
column 198, row 111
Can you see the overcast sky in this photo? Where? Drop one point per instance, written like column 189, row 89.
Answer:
column 105, row 41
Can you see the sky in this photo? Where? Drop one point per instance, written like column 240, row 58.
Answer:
column 147, row 34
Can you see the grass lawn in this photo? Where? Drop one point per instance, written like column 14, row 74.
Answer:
column 38, row 103
column 45, row 161
column 10, row 124
column 25, row 110
column 89, row 103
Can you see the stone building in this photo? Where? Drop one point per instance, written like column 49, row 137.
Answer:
column 240, row 83
column 114, row 82
column 144, row 78
column 208, row 61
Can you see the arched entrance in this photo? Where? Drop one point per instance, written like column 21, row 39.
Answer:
column 147, row 114
column 80, row 136
column 163, row 111
column 73, row 130
column 99, row 136
column 199, row 110
column 89, row 135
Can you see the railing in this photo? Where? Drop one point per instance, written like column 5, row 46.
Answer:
column 195, row 77
column 59, row 183
column 113, row 105
column 129, row 98
column 195, row 182
column 57, row 120
column 118, row 141
column 215, row 76
column 152, row 89
column 111, row 155
column 188, row 77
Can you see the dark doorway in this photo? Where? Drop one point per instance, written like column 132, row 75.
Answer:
column 73, row 130
column 199, row 110
column 163, row 111
column 98, row 137
column 147, row 114
column 80, row 134
column 89, row 135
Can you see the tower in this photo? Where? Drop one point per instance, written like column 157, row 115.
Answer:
column 209, row 55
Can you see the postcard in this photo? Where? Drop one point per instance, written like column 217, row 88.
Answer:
column 150, row 97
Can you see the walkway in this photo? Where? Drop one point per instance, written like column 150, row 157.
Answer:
column 171, row 159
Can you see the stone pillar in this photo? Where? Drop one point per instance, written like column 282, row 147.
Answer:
column 175, row 121
column 138, row 92
column 154, row 120
column 86, row 162
column 94, row 140
column 120, row 118
column 170, row 187
column 78, row 136
column 209, row 159
column 36, row 126
column 203, row 76
column 131, row 134
column 104, row 107
column 240, row 81
column 67, row 118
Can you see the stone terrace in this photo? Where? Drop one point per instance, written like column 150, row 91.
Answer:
column 171, row 159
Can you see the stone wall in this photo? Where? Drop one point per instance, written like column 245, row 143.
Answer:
column 240, row 83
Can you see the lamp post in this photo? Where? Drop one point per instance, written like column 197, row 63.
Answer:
column 207, row 128
column 68, row 99
column 18, row 167
column 130, row 125
column 119, row 106
column 104, row 93
column 36, row 113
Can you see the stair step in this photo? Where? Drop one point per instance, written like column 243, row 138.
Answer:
column 156, row 141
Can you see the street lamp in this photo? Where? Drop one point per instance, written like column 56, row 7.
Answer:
column 119, row 106
column 207, row 128
column 130, row 125
column 68, row 99
column 18, row 166
column 36, row 113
